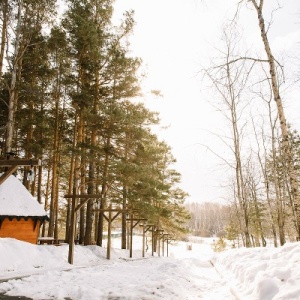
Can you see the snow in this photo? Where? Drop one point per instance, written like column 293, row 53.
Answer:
column 42, row 272
column 15, row 200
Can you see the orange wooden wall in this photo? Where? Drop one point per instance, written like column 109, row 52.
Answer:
column 21, row 230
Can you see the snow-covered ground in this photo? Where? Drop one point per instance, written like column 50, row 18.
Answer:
column 42, row 272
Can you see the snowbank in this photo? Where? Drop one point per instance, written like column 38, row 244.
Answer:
column 262, row 273
column 188, row 273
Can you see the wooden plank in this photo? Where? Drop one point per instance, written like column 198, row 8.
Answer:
column 82, row 203
column 115, row 216
column 83, row 196
column 113, row 209
column 137, row 219
column 8, row 173
column 46, row 240
column 20, row 162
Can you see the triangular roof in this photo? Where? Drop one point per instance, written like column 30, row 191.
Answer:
column 15, row 200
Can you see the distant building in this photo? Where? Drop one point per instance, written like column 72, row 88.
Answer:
column 20, row 214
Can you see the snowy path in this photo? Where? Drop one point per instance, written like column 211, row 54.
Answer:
column 45, row 274
column 150, row 278
column 239, row 274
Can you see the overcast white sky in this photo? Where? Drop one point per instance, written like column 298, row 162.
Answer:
column 175, row 38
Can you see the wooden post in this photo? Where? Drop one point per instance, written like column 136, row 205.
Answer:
column 110, row 219
column 131, row 230
column 109, row 232
column 164, row 237
column 146, row 227
column 158, row 242
column 157, row 235
column 131, row 234
column 72, row 231
column 74, row 209
column 167, row 248
column 168, row 242
column 144, row 235
column 152, row 233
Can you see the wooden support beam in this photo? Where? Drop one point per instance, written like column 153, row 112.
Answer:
column 8, row 173
column 144, row 239
column 83, row 196
column 110, row 218
column 137, row 220
column 164, row 237
column 109, row 232
column 72, row 229
column 148, row 227
column 20, row 162
column 13, row 164
column 169, row 240
column 132, row 226
column 151, row 227
column 131, row 235
column 113, row 209
column 157, row 234
column 74, row 209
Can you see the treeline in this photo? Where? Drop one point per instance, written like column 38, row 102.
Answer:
column 67, row 86
column 208, row 219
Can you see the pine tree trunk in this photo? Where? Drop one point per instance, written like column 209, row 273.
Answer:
column 13, row 99
column 70, row 188
column 54, row 186
column 92, row 167
column 46, row 200
column 103, row 203
column 3, row 35
column 82, row 188
column 76, row 177
column 39, row 185
column 91, row 184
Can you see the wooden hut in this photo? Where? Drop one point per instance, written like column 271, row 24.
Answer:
column 20, row 214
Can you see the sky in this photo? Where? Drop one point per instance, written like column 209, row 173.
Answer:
column 176, row 39
column 42, row 272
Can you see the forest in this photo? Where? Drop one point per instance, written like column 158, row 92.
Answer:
column 68, row 97
column 69, row 90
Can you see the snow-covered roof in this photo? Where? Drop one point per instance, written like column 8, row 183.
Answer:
column 15, row 200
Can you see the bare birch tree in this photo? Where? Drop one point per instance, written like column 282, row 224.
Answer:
column 230, row 81
column 258, row 5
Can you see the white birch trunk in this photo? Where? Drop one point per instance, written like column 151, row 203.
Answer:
column 280, row 109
